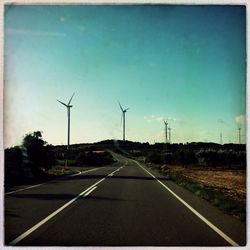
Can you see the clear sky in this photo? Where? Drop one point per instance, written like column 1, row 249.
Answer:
column 184, row 63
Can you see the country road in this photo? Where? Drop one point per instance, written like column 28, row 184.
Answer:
column 117, row 205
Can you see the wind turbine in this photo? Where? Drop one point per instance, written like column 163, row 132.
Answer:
column 166, row 130
column 123, row 118
column 68, row 106
column 239, row 136
column 169, row 130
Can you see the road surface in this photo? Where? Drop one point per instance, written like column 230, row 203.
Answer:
column 123, row 204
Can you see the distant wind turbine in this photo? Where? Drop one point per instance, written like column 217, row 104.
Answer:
column 169, row 129
column 239, row 136
column 68, row 106
column 123, row 119
column 166, row 130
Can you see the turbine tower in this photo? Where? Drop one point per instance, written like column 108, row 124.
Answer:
column 123, row 119
column 169, row 130
column 239, row 136
column 166, row 130
column 68, row 106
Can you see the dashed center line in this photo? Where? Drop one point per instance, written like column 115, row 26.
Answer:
column 90, row 191
column 32, row 229
column 84, row 193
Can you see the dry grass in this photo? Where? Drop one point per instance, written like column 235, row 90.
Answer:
column 232, row 183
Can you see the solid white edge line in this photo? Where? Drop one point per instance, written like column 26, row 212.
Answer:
column 39, row 224
column 23, row 189
column 87, row 171
column 79, row 172
column 210, row 224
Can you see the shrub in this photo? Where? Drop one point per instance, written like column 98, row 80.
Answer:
column 169, row 158
column 186, row 157
column 94, row 158
column 212, row 157
column 154, row 157
column 13, row 164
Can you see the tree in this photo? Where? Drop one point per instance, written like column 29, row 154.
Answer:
column 13, row 164
column 186, row 157
column 37, row 153
column 154, row 157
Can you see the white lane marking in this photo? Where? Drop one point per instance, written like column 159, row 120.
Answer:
column 117, row 170
column 90, row 191
column 25, row 234
column 210, row 224
column 39, row 224
column 115, row 157
column 79, row 172
column 87, row 171
column 23, row 189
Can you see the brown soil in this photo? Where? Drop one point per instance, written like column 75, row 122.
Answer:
column 232, row 183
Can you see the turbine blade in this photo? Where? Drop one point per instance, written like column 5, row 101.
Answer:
column 62, row 103
column 71, row 99
column 126, row 109
column 120, row 106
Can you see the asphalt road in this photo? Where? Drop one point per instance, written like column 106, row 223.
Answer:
column 118, row 205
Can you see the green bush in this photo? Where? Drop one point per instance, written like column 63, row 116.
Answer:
column 94, row 158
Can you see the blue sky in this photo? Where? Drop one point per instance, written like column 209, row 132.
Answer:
column 183, row 63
